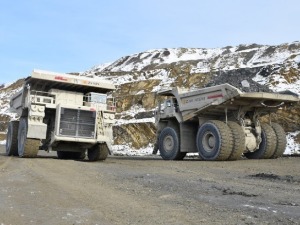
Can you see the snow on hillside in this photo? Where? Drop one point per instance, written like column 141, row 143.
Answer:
column 277, row 82
column 282, row 85
column 227, row 58
column 4, row 101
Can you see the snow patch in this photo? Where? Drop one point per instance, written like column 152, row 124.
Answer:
column 292, row 147
column 127, row 150
column 122, row 121
column 277, row 83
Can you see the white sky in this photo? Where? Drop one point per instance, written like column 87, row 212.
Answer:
column 73, row 36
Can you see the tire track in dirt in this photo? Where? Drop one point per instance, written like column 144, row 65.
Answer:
column 145, row 190
column 80, row 185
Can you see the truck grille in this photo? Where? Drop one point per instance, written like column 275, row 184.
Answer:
column 77, row 123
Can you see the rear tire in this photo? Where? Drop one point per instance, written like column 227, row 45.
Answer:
column 280, row 140
column 214, row 141
column 169, row 144
column 27, row 147
column 238, row 140
column 12, row 138
column 267, row 145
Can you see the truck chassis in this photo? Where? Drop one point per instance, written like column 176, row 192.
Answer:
column 220, row 123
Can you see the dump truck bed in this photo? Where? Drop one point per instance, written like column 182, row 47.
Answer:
column 215, row 100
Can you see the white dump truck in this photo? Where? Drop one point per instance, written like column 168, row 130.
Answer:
column 64, row 113
column 220, row 123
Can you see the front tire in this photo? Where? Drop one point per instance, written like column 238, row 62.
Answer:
column 97, row 152
column 214, row 141
column 103, row 152
column 12, row 138
column 27, row 147
column 169, row 144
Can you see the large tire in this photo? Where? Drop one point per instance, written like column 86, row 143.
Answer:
column 214, row 141
column 27, row 147
column 280, row 140
column 97, row 152
column 103, row 152
column 169, row 144
column 267, row 145
column 12, row 138
column 238, row 136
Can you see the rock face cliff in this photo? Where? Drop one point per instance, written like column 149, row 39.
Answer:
column 139, row 76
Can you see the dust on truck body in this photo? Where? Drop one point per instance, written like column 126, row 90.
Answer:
column 220, row 123
column 64, row 113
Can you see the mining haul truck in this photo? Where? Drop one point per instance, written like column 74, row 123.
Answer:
column 64, row 113
column 220, row 123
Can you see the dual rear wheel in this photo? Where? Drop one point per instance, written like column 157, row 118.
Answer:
column 217, row 141
column 273, row 143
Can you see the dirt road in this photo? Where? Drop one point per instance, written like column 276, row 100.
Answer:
column 148, row 190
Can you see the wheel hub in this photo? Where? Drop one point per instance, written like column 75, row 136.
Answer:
column 168, row 143
column 208, row 141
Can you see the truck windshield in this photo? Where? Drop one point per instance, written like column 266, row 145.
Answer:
column 95, row 97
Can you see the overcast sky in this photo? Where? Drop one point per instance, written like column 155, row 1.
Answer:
column 73, row 36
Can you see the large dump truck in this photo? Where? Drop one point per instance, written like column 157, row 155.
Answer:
column 64, row 113
column 220, row 123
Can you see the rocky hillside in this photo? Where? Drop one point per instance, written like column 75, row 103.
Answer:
column 139, row 76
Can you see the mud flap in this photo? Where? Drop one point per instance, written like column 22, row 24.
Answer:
column 188, row 133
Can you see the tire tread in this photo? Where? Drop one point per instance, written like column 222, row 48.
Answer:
column 280, row 140
column 238, row 137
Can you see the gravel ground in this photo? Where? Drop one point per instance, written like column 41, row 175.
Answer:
column 148, row 190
